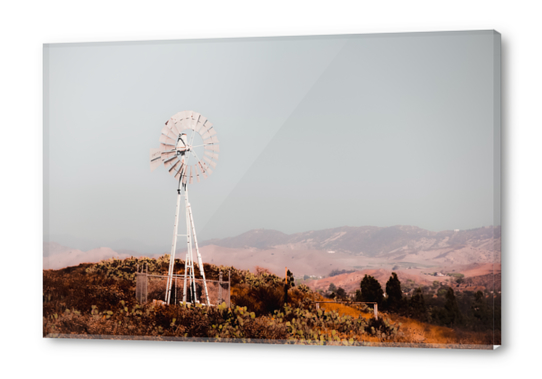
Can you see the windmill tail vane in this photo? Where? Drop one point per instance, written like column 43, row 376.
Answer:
column 189, row 150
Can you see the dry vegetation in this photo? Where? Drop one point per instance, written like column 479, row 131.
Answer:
column 98, row 301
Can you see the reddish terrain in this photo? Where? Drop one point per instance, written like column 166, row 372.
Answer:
column 414, row 253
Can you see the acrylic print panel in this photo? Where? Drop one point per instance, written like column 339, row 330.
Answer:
column 321, row 190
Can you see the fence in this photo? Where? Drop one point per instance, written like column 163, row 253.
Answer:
column 151, row 287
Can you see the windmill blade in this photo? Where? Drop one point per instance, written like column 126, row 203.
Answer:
column 205, row 126
column 197, row 172
column 184, row 176
column 169, row 134
column 166, row 140
column 204, row 167
column 176, row 128
column 210, row 162
column 193, row 121
column 205, row 135
column 177, row 116
column 172, row 168
column 184, row 124
column 187, row 127
column 166, row 155
column 212, row 148
column 173, row 127
column 170, row 159
column 172, row 135
column 166, row 130
column 191, row 176
column 205, row 130
column 193, row 115
column 207, row 168
column 167, row 147
column 199, row 127
column 212, row 140
column 179, row 171
column 212, row 155
column 212, row 132
column 156, row 159
column 177, row 174
column 202, row 170
column 210, row 137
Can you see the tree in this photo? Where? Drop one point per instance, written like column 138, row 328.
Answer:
column 332, row 288
column 341, row 293
column 479, row 309
column 393, row 290
column 371, row 290
column 417, row 305
column 290, row 278
column 289, row 281
column 450, row 315
column 357, row 296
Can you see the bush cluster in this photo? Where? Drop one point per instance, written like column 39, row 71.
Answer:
column 99, row 299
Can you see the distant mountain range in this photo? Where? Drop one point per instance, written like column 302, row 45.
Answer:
column 319, row 252
column 369, row 241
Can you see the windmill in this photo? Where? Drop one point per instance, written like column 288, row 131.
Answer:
column 188, row 149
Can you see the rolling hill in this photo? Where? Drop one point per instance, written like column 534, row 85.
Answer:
column 316, row 253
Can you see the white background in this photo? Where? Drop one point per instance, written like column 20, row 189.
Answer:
column 25, row 26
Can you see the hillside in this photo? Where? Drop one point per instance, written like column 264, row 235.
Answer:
column 316, row 253
column 98, row 301
column 481, row 275
column 350, row 281
column 371, row 241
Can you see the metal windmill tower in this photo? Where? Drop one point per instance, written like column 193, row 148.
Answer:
column 188, row 149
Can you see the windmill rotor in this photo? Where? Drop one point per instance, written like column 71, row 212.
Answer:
column 188, row 147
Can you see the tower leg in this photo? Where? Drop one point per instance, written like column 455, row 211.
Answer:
column 173, row 248
column 200, row 263
column 191, row 240
column 188, row 266
column 185, row 277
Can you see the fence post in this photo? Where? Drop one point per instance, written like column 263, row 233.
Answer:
column 138, row 290
column 376, row 311
column 219, row 288
column 141, row 290
column 229, row 288
column 146, row 280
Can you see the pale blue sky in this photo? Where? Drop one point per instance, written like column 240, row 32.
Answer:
column 315, row 133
